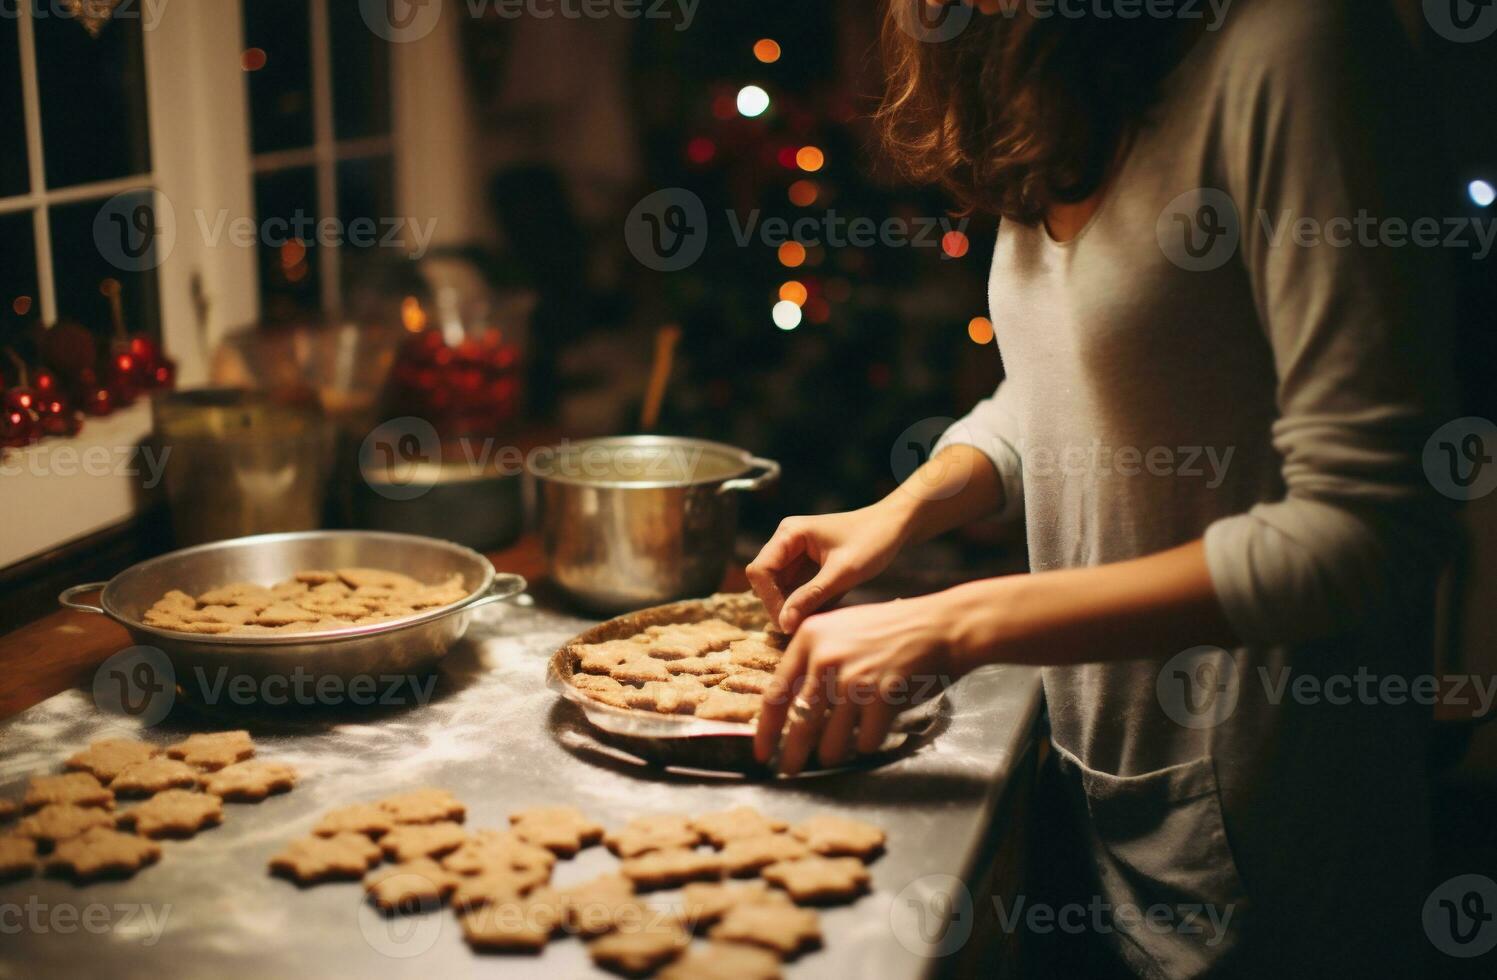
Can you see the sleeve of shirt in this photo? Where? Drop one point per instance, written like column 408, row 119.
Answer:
column 992, row 428
column 1316, row 130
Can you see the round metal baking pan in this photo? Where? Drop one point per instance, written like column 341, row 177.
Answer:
column 683, row 740
column 398, row 646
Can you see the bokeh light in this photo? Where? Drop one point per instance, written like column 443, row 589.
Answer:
column 1483, row 194
column 22, row 305
column 794, row 291
column 810, row 159
column 792, row 254
column 752, row 101
column 955, row 244
column 980, row 329
column 803, row 193
column 700, row 149
column 253, row 59
column 786, row 315
column 767, row 50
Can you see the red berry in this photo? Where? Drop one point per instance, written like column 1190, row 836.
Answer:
column 100, row 401
column 165, row 374
column 58, row 418
column 21, row 399
column 18, row 428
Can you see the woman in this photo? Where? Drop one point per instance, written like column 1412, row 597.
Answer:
column 1212, row 427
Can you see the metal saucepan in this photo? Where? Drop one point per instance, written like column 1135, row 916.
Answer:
column 400, row 646
column 634, row 521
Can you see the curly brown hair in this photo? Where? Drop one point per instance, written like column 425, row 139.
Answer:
column 1018, row 111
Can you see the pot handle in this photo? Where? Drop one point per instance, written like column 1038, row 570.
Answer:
column 504, row 586
column 65, row 597
column 770, row 475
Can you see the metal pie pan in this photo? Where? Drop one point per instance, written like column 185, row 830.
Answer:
column 685, row 740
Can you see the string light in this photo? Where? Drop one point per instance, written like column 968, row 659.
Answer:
column 1482, row 193
column 980, row 329
column 767, row 50
column 794, row 291
column 792, row 254
column 752, row 101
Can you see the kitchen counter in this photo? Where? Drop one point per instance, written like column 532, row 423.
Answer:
column 490, row 732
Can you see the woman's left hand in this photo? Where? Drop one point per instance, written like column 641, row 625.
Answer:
column 853, row 670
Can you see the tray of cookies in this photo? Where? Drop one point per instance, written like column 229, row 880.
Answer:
column 682, row 683
column 323, row 603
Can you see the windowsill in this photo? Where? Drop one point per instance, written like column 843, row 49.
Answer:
column 62, row 489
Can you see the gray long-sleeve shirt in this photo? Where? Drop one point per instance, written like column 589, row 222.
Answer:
column 1194, row 364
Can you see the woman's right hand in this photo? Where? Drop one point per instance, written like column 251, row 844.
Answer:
column 811, row 562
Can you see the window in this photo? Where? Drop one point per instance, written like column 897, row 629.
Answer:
column 320, row 121
column 77, row 189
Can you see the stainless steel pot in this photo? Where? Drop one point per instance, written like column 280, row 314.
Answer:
column 634, row 521
column 401, row 646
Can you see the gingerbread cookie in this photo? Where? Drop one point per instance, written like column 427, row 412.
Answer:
column 377, row 578
column 175, row 813
column 411, row 841
column 747, row 855
column 748, row 681
column 213, row 750
column 414, row 886
column 17, row 857
column 105, row 759
column 560, row 829
column 755, row 653
column 665, row 869
column 724, row 961
column 602, row 658
column 237, row 594
column 703, row 903
column 284, row 614
column 601, row 687
column 316, row 576
column 313, row 859
column 782, row 928
column 358, row 818
column 741, row 821
column 498, row 886
column 501, row 850
column 835, row 836
column 101, row 852
column 723, row 705
column 818, row 880
column 676, row 640
column 518, row 925
column 666, row 698
column 61, row 821
column 636, row 952
column 652, row 833
column 712, row 665
column 153, row 776
column 602, row 905
column 424, row 806
column 640, row 670
column 251, row 782
column 77, row 788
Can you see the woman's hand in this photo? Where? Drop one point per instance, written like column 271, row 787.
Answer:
column 848, row 673
column 813, row 561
